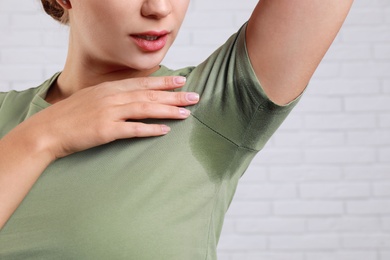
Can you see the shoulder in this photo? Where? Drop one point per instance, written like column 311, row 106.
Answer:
column 14, row 97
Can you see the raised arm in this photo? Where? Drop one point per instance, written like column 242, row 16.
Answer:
column 287, row 39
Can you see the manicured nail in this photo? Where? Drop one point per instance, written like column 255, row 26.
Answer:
column 192, row 97
column 184, row 112
column 180, row 80
column 165, row 129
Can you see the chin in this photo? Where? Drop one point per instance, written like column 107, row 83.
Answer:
column 146, row 64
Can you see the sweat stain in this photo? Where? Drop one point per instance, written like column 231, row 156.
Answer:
column 214, row 152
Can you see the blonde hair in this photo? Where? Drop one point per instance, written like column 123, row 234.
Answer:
column 56, row 11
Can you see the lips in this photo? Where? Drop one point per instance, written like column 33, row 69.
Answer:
column 151, row 41
column 148, row 37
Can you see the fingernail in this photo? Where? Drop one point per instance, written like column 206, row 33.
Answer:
column 165, row 129
column 184, row 112
column 180, row 80
column 192, row 97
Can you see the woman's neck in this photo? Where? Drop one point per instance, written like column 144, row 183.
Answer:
column 80, row 73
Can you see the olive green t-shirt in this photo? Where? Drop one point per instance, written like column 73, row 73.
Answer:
column 147, row 198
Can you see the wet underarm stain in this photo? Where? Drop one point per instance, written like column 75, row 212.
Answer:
column 214, row 152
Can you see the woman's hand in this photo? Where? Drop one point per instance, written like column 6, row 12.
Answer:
column 90, row 117
column 104, row 113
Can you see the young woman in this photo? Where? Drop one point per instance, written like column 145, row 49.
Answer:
column 76, row 179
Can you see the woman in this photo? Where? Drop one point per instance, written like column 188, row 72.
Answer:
column 77, row 182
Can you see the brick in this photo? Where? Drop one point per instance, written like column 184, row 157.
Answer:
column 310, row 138
column 202, row 37
column 20, row 39
column 17, row 56
column 202, row 20
column 385, row 255
column 387, row 20
column 308, row 208
column 22, row 85
column 368, row 103
column 382, row 3
column 268, row 256
column 366, row 69
column 381, row 189
column 386, row 86
column 345, row 86
column 184, row 38
column 344, row 224
column 320, row 105
column 271, row 226
column 249, row 208
column 340, row 155
column 4, row 21
column 227, row 5
column 4, row 86
column 254, row 174
column 186, row 56
column 384, row 120
column 342, row 255
column 382, row 51
column 229, row 226
column 368, row 207
column 304, row 242
column 56, row 38
column 19, row 73
column 369, row 34
column 366, row 241
column 367, row 172
column 33, row 56
column 240, row 17
column 292, row 122
column 265, row 191
column 327, row 69
column 348, row 52
column 386, row 224
column 368, row 16
column 384, row 155
column 340, row 121
column 305, row 173
column 49, row 70
column 369, row 138
column 333, row 191
column 279, row 156
column 359, row 4
column 33, row 21
column 10, row 6
column 240, row 242
column 224, row 256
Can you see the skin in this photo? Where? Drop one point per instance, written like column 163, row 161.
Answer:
column 286, row 40
column 100, row 48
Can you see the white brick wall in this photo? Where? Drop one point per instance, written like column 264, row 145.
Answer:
column 320, row 190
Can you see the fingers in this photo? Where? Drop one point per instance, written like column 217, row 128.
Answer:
column 149, row 110
column 152, row 83
column 133, row 129
column 150, row 89
column 162, row 97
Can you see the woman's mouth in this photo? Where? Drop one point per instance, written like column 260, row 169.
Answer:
column 150, row 41
column 148, row 37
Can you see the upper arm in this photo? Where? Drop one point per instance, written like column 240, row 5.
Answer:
column 286, row 40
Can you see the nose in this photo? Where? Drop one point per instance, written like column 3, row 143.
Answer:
column 156, row 9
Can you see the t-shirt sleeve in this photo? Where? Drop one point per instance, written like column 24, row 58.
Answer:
column 2, row 97
column 233, row 103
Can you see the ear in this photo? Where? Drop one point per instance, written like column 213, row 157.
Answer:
column 66, row 4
